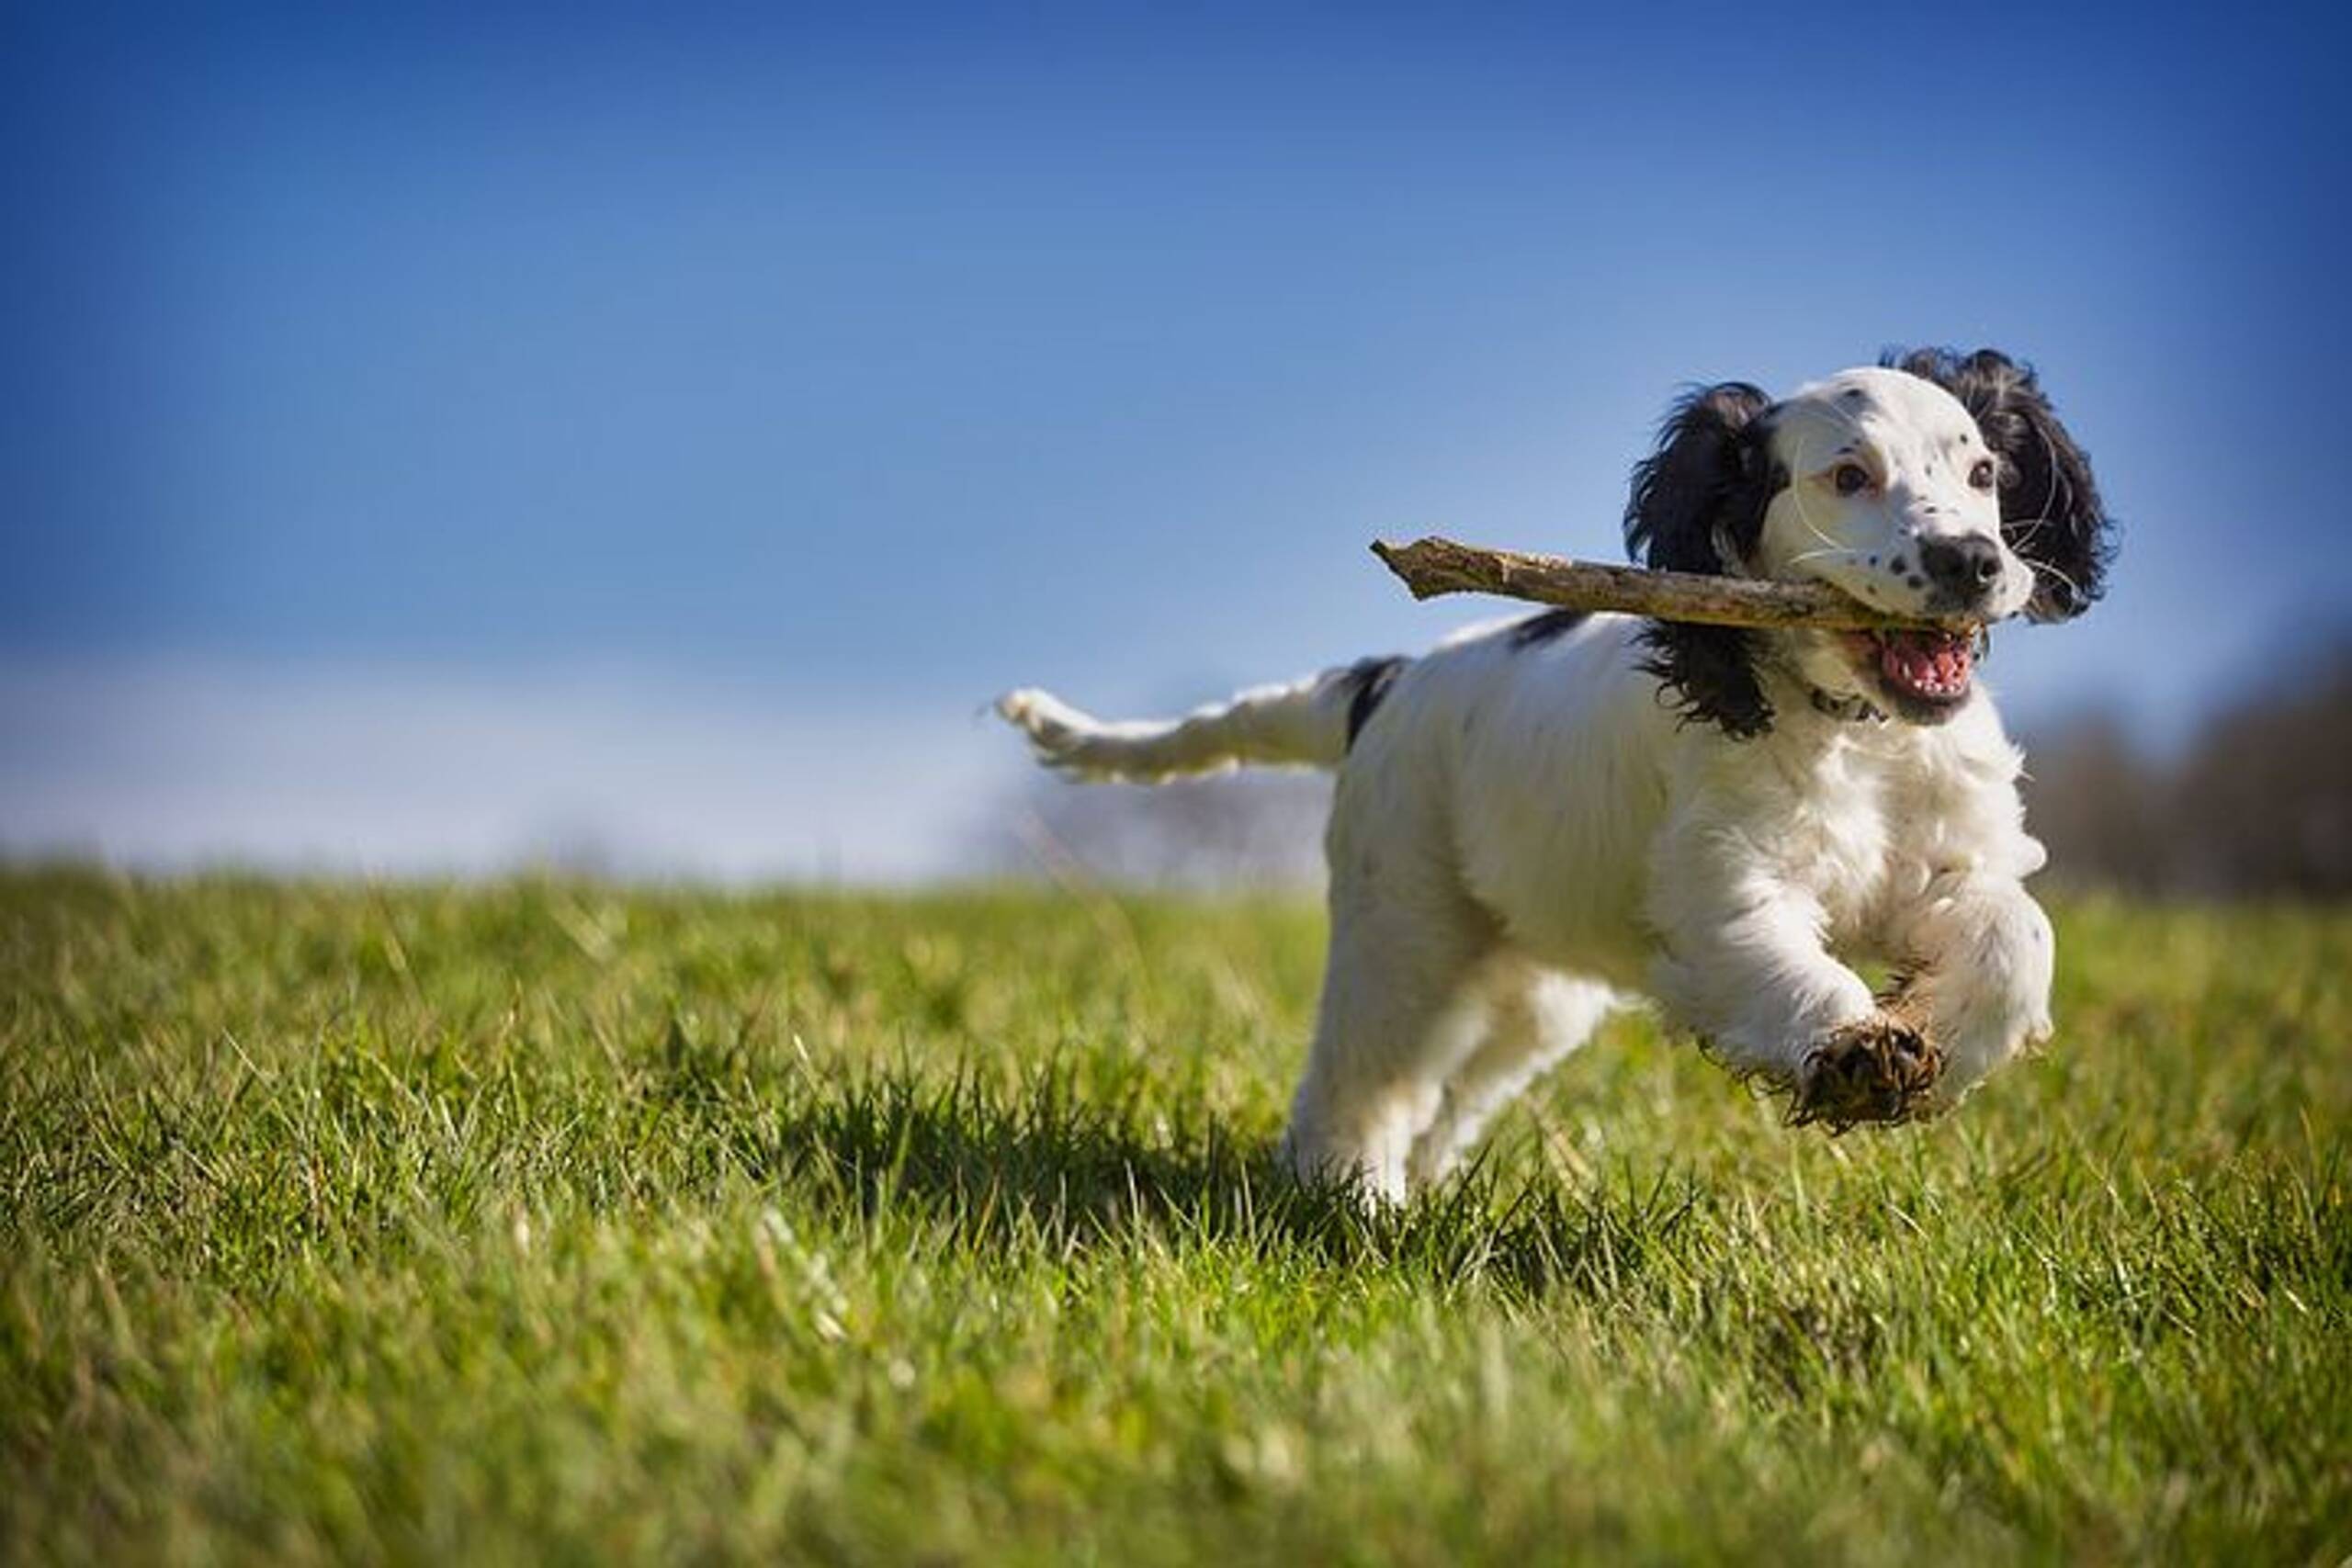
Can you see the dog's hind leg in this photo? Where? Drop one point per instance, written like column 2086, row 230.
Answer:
column 1399, row 1014
column 1533, row 1018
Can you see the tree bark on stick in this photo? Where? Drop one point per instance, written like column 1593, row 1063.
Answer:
column 1432, row 566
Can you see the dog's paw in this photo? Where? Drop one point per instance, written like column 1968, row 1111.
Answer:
column 1877, row 1069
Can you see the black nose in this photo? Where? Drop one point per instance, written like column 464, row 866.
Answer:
column 1962, row 568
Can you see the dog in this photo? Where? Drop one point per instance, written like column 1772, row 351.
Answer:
column 1543, row 820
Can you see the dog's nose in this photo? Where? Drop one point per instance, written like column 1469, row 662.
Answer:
column 1965, row 569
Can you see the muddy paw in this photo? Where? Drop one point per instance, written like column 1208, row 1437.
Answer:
column 1879, row 1069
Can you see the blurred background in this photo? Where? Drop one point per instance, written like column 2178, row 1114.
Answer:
column 446, row 439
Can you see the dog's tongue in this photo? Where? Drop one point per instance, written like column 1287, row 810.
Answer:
column 1932, row 663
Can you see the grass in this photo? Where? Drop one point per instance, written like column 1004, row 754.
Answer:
column 543, row 1221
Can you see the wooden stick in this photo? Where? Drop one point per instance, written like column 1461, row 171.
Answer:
column 1433, row 566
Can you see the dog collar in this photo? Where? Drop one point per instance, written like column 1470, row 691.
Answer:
column 1847, row 710
column 1855, row 709
column 1851, row 710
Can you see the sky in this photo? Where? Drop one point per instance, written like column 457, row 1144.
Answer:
column 436, row 436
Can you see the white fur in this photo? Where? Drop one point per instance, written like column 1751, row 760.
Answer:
column 1525, row 835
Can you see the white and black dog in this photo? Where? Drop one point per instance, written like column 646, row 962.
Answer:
column 1540, row 819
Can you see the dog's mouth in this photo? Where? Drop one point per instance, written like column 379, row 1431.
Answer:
column 1925, row 672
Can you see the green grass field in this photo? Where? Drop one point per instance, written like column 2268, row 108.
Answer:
column 545, row 1220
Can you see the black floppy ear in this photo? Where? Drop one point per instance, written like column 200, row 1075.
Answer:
column 2050, row 513
column 1698, row 505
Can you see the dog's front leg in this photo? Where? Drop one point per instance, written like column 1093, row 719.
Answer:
column 1978, row 954
column 1744, row 964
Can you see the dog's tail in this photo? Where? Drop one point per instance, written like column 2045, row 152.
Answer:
column 1308, row 723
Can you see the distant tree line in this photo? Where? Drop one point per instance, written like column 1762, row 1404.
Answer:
column 2258, row 804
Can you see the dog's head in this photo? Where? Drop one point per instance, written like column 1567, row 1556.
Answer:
column 1934, row 484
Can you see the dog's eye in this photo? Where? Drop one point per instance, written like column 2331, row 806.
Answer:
column 1981, row 476
column 1850, row 478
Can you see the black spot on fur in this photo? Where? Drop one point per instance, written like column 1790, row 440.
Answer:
column 1542, row 628
column 1700, row 493
column 1898, row 564
column 2050, row 512
column 1368, row 681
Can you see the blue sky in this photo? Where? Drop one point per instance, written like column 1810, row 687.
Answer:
column 391, row 385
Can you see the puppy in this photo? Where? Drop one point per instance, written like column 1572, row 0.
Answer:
column 1542, row 820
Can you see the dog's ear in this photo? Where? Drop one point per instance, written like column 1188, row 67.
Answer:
column 1698, row 505
column 2050, row 513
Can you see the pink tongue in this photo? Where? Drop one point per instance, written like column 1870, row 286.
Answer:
column 1917, row 660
